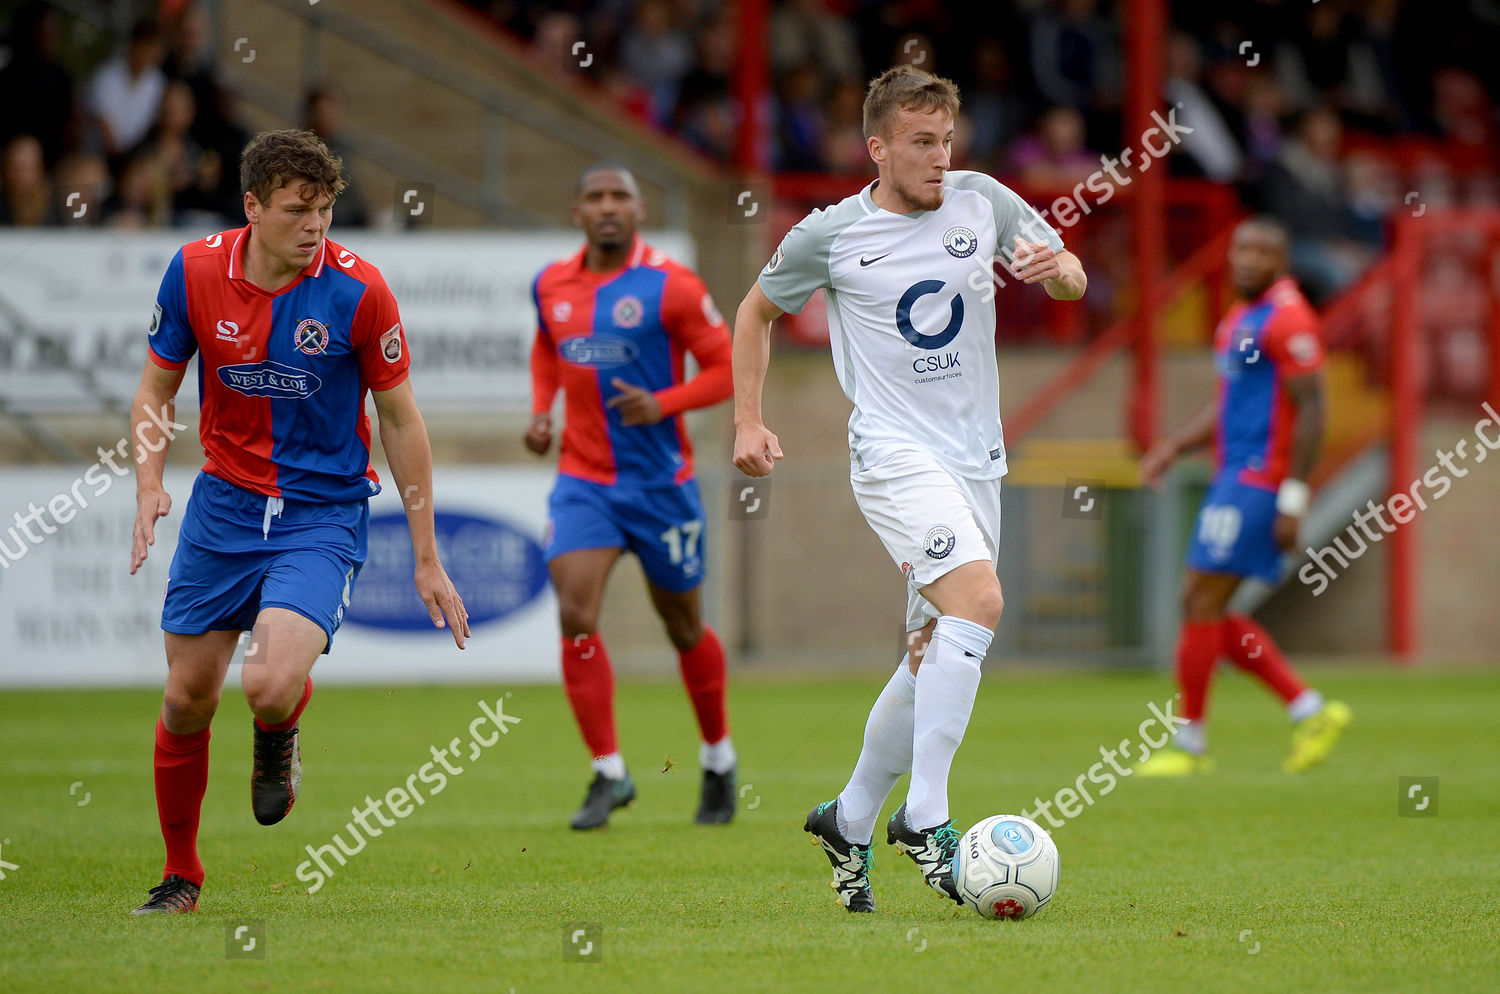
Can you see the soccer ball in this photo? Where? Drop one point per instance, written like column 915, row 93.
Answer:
column 1006, row 867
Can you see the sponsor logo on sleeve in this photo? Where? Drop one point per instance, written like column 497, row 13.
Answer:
column 347, row 259
column 776, row 258
column 1303, row 346
column 214, row 241
column 710, row 311
column 390, row 343
column 155, row 321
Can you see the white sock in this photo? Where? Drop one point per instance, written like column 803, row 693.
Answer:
column 947, row 681
column 1305, row 705
column 1192, row 737
column 612, row 766
column 718, row 757
column 885, row 756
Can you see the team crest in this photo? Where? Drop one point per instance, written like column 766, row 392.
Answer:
column 312, row 337
column 939, row 542
column 390, row 343
column 562, row 310
column 628, row 312
column 960, row 242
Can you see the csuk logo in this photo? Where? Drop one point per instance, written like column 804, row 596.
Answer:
column 960, row 242
column 909, row 331
column 598, row 351
column 270, row 379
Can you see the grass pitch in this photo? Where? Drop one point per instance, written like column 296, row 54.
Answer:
column 1246, row 880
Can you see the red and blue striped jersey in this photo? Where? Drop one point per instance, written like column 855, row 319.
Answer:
column 635, row 324
column 282, row 376
column 1259, row 345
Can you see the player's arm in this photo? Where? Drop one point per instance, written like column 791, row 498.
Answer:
column 1292, row 500
column 156, row 395
column 1194, row 434
column 755, row 448
column 403, row 435
column 544, row 385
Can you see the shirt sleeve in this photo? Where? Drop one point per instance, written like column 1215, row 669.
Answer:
column 1014, row 217
column 170, row 336
column 378, row 338
column 1293, row 341
column 690, row 317
column 544, row 371
column 799, row 266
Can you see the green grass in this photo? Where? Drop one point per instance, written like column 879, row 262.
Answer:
column 1248, row 880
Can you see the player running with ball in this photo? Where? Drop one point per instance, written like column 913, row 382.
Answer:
column 290, row 330
column 1266, row 427
column 908, row 269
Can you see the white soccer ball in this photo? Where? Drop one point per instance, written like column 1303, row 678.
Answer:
column 1006, row 867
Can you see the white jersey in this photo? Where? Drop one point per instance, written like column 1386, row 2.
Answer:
column 911, row 316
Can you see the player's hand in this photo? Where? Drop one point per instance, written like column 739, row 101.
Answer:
column 1284, row 529
column 538, row 436
column 1035, row 262
column 149, row 505
column 1157, row 460
column 637, row 406
column 442, row 600
column 755, row 450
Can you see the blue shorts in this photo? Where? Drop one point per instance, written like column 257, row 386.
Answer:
column 1233, row 533
column 663, row 526
column 228, row 565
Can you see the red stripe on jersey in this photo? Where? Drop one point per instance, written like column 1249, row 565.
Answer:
column 685, row 471
column 585, row 450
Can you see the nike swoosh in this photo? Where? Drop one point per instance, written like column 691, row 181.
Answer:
column 865, row 262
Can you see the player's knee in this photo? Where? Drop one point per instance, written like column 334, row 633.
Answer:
column 577, row 617
column 187, row 709
column 273, row 693
column 987, row 606
column 1199, row 604
column 684, row 632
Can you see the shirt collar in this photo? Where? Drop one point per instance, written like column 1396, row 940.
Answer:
column 242, row 242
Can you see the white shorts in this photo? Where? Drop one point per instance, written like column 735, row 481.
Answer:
column 929, row 519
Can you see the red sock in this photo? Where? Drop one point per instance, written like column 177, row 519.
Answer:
column 703, row 672
column 1197, row 652
column 590, row 684
column 1252, row 649
column 291, row 719
column 181, row 781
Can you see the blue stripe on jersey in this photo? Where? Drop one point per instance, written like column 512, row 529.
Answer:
column 317, row 450
column 1250, row 379
column 648, row 455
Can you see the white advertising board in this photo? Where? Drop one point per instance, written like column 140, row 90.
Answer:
column 71, row 614
column 75, row 306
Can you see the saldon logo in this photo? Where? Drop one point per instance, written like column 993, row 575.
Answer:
column 598, row 351
column 270, row 379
